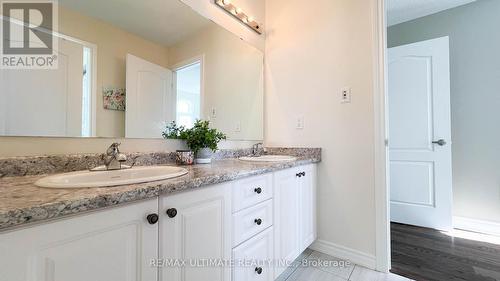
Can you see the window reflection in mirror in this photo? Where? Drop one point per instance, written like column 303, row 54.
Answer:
column 188, row 91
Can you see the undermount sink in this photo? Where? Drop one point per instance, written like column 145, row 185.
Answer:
column 269, row 158
column 82, row 179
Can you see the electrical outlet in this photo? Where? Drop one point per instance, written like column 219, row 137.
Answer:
column 213, row 113
column 237, row 127
column 300, row 122
column 345, row 95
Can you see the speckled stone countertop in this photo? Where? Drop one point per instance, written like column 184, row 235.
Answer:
column 21, row 202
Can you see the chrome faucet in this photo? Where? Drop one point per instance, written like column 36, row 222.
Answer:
column 113, row 159
column 255, row 149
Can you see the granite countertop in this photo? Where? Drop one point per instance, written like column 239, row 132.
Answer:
column 21, row 202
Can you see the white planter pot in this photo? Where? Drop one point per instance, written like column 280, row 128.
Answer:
column 204, row 156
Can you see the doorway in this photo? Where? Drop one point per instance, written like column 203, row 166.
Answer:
column 442, row 216
column 188, row 88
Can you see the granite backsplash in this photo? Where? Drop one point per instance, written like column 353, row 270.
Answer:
column 39, row 165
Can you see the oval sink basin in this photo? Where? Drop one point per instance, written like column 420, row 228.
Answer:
column 269, row 158
column 83, row 179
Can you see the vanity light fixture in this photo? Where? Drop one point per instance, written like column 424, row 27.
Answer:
column 238, row 13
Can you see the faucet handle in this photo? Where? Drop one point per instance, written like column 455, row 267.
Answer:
column 113, row 148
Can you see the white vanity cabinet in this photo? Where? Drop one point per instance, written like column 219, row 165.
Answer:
column 114, row 244
column 294, row 213
column 193, row 235
column 307, row 206
column 195, row 227
column 253, row 233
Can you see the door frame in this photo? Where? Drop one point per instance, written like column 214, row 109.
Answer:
column 381, row 152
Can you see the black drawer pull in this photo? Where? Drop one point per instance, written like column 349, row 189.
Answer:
column 258, row 190
column 258, row 221
column 152, row 218
column 171, row 213
column 258, row 270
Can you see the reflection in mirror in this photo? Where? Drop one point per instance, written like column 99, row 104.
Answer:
column 126, row 68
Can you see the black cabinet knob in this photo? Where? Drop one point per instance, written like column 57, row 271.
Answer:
column 258, row 221
column 258, row 190
column 152, row 218
column 258, row 270
column 298, row 175
column 303, row 174
column 172, row 212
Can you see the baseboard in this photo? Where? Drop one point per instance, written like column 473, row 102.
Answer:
column 342, row 252
column 474, row 225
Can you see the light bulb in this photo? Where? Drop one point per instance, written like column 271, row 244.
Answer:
column 250, row 19
column 239, row 10
column 226, row 2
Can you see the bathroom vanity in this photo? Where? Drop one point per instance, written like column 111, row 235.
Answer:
column 146, row 66
column 224, row 221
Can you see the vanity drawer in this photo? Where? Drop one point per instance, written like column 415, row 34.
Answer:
column 251, row 191
column 251, row 221
column 253, row 258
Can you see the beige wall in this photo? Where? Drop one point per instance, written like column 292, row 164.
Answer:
column 113, row 44
column 21, row 146
column 233, row 80
column 313, row 50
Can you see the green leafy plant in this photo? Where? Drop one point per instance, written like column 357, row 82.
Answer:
column 199, row 137
column 172, row 131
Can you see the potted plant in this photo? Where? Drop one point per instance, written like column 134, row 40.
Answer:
column 201, row 139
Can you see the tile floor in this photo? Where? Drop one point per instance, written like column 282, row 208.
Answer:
column 341, row 272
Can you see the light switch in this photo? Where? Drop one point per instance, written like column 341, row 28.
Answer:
column 214, row 113
column 345, row 95
column 300, row 122
column 237, row 127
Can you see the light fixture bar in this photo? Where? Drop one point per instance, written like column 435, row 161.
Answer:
column 238, row 13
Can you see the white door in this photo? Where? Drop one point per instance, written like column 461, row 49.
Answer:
column 195, row 227
column 420, row 134
column 44, row 102
column 110, row 245
column 149, row 102
column 286, row 217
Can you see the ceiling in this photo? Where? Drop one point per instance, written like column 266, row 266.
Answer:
column 399, row 11
column 165, row 22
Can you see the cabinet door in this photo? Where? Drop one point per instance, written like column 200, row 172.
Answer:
column 286, row 218
column 307, row 186
column 198, row 231
column 111, row 245
column 252, row 258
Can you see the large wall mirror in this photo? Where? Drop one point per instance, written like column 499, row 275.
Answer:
column 127, row 68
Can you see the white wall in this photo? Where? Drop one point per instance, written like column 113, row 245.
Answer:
column 313, row 49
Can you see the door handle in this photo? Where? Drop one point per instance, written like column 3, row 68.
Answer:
column 440, row 142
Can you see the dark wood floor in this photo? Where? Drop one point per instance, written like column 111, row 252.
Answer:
column 428, row 255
